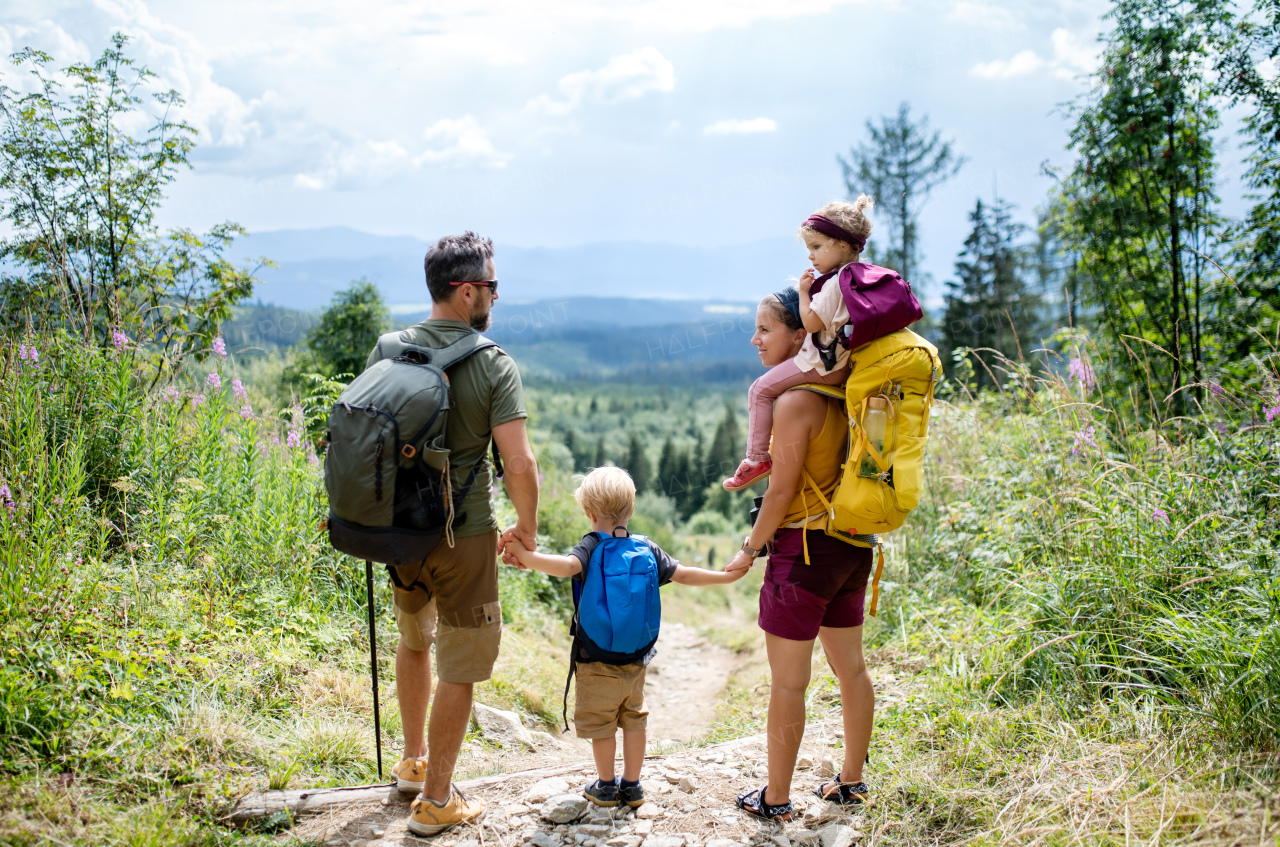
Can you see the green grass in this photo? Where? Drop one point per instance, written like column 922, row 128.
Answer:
column 1058, row 661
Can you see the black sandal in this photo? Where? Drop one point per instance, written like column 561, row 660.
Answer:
column 844, row 794
column 752, row 802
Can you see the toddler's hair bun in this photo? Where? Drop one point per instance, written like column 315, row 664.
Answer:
column 865, row 203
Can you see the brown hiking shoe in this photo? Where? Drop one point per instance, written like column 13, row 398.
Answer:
column 411, row 775
column 431, row 818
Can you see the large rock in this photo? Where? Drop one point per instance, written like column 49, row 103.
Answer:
column 564, row 808
column 540, row 791
column 595, row 830
column 688, row 784
column 624, row 841
column 544, row 839
column 649, row 811
column 838, row 835
column 502, row 727
column 664, row 841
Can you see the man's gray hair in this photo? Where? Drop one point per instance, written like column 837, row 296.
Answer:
column 456, row 258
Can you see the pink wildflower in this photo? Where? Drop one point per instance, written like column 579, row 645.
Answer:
column 119, row 339
column 246, row 411
column 220, row 346
column 294, row 439
column 1160, row 514
column 197, row 400
column 237, row 388
column 1082, row 372
column 213, row 381
column 1084, row 438
column 1271, row 412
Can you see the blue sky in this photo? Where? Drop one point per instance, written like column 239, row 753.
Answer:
column 567, row 122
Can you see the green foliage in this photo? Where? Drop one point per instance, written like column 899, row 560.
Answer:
column 899, row 166
column 989, row 306
column 1118, row 564
column 1140, row 204
column 637, row 464
column 348, row 330
column 80, row 193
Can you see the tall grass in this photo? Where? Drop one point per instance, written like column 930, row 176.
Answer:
column 1131, row 562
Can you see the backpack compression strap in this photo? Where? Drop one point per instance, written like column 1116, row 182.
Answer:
column 393, row 344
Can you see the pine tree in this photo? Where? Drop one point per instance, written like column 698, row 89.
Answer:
column 726, row 451
column 988, row 305
column 638, row 464
column 900, row 165
column 667, row 467
column 600, row 461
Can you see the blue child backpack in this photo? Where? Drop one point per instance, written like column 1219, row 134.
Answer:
column 616, row 607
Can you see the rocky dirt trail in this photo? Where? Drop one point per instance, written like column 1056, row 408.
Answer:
column 684, row 683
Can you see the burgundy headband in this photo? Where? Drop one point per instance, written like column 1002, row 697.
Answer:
column 826, row 226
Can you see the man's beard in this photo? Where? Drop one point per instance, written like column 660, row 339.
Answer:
column 482, row 321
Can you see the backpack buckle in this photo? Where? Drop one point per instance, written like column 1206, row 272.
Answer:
column 408, row 451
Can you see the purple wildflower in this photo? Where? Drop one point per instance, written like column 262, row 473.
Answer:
column 6, row 497
column 119, row 339
column 1216, row 390
column 294, row 439
column 246, row 411
column 171, row 393
column 1160, row 514
column 1084, row 438
column 238, row 389
column 197, row 400
column 213, row 381
column 1271, row 412
column 220, row 346
column 1082, row 372
column 313, row 459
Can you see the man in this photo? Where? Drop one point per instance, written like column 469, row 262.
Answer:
column 461, row 614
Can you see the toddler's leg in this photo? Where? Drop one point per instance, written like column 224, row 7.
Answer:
column 760, row 404
column 632, row 754
column 836, row 377
column 603, row 750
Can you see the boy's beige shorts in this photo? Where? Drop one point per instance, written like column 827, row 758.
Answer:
column 462, row 616
column 607, row 697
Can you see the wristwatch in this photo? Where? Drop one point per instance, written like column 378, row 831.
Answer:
column 753, row 552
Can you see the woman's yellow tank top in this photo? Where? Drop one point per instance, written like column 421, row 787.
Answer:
column 822, row 462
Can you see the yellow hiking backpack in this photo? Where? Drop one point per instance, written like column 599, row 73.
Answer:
column 903, row 368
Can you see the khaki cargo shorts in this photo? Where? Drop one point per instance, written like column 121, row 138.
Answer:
column 461, row 616
column 608, row 697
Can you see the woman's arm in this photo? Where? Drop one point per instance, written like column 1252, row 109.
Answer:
column 797, row 415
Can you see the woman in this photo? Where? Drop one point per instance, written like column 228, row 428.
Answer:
column 799, row 602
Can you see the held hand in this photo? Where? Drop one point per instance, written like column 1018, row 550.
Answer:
column 741, row 562
column 806, row 281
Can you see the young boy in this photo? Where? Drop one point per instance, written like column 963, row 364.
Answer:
column 611, row 696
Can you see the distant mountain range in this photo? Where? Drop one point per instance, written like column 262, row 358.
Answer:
column 313, row 264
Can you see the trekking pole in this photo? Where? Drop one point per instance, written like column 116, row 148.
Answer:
column 373, row 664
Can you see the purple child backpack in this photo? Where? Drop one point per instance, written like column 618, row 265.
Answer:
column 879, row 301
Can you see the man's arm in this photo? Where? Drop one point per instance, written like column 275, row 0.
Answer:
column 521, row 481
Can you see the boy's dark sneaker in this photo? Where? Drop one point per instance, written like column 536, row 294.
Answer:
column 602, row 793
column 632, row 795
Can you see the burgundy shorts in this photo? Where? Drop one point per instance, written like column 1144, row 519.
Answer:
column 796, row 599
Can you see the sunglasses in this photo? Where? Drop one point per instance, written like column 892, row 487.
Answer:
column 491, row 284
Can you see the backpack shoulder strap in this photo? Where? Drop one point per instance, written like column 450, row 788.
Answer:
column 461, row 350
column 835, row 392
column 393, row 344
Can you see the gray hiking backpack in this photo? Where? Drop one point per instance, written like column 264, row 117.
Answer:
column 387, row 466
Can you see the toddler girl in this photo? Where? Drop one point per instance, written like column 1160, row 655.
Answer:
column 835, row 237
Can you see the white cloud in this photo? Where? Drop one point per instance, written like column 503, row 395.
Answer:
column 741, row 127
column 979, row 13
column 464, row 143
column 1269, row 69
column 1070, row 59
column 624, row 77
column 707, row 15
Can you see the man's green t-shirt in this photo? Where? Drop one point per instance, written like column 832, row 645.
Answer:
column 486, row 392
